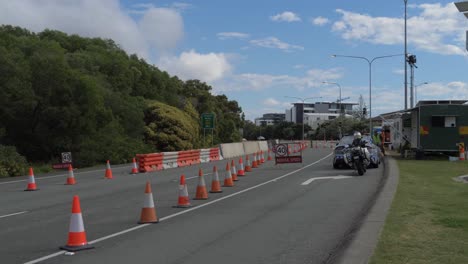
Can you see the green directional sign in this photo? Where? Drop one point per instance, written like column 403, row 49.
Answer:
column 208, row 120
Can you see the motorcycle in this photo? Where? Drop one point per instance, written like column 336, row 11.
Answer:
column 357, row 157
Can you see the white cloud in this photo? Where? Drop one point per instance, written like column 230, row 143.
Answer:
column 192, row 65
column 438, row 29
column 232, row 35
column 443, row 91
column 271, row 102
column 286, row 16
column 399, row 71
column 181, row 6
column 163, row 28
column 320, row 21
column 257, row 82
column 159, row 28
column 274, row 43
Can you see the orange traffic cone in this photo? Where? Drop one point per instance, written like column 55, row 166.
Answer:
column 262, row 157
column 71, row 176
column 202, row 194
column 108, row 174
column 241, row 171
column 248, row 167
column 184, row 200
column 148, row 212
column 31, row 182
column 135, row 167
column 76, row 232
column 215, row 184
column 254, row 162
column 228, row 179
column 269, row 155
column 233, row 171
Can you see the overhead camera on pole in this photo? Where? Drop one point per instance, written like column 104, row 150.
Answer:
column 411, row 59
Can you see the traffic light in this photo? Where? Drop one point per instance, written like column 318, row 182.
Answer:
column 364, row 111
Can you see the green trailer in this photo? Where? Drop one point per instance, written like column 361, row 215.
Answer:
column 439, row 126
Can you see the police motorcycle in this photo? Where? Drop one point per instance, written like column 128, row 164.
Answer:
column 357, row 156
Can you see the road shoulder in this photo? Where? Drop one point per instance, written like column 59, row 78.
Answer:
column 365, row 239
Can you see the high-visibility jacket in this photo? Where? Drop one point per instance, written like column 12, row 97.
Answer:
column 376, row 139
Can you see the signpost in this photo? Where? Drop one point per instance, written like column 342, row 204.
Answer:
column 283, row 154
column 208, row 122
column 66, row 161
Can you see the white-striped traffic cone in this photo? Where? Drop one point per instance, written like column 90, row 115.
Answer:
column 148, row 212
column 71, row 176
column 31, row 181
column 76, row 233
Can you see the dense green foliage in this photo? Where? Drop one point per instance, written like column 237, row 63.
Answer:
column 11, row 163
column 62, row 92
column 329, row 129
column 170, row 129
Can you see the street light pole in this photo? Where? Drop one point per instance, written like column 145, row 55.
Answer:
column 369, row 62
column 303, row 101
column 405, row 59
column 339, row 86
column 416, row 90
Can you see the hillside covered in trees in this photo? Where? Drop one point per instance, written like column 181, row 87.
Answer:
column 61, row 93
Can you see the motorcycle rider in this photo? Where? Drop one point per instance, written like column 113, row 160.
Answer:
column 358, row 142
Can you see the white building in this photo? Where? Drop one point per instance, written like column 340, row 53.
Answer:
column 314, row 120
column 314, row 114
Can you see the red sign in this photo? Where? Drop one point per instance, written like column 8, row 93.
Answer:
column 290, row 159
column 61, row 165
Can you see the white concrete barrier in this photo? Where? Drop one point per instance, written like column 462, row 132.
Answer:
column 231, row 150
column 263, row 145
column 251, row 147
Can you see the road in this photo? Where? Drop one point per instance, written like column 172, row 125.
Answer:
column 275, row 214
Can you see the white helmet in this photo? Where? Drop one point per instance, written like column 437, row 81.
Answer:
column 357, row 135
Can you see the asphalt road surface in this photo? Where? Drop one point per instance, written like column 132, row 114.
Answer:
column 275, row 214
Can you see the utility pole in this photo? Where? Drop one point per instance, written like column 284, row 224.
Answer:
column 406, row 58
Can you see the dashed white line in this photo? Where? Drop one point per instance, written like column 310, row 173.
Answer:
column 3, row 216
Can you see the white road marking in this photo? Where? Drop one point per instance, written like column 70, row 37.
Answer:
column 180, row 213
column 3, row 216
column 61, row 175
column 326, row 178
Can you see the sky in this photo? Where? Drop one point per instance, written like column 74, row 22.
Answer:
column 261, row 53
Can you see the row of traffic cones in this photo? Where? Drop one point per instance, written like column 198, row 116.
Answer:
column 231, row 175
column 258, row 158
column 71, row 176
column 77, row 236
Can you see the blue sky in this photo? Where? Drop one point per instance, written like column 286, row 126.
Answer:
column 258, row 52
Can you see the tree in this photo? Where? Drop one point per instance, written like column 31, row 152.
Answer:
column 169, row 128
column 358, row 110
column 61, row 92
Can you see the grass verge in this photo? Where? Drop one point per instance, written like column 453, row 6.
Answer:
column 428, row 220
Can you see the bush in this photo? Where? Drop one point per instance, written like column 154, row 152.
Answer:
column 11, row 163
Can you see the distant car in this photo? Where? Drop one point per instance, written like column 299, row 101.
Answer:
column 338, row 153
column 374, row 151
